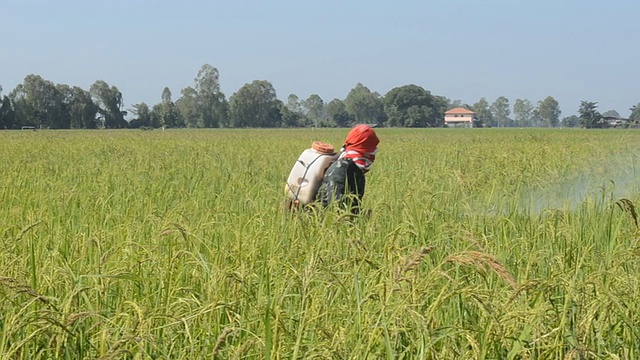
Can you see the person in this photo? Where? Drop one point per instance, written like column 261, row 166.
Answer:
column 344, row 181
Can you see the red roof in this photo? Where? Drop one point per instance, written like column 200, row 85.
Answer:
column 460, row 110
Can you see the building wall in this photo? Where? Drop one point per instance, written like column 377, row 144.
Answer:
column 458, row 119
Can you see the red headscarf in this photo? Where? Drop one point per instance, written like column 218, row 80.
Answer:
column 361, row 146
column 362, row 139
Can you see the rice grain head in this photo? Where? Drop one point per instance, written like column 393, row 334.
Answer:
column 412, row 262
column 481, row 261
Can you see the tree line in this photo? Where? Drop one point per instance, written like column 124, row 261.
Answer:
column 42, row 104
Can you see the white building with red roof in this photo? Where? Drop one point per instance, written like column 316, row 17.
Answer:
column 459, row 117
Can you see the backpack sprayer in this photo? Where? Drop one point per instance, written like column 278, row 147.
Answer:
column 307, row 174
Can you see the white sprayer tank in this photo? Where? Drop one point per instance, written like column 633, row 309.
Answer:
column 307, row 173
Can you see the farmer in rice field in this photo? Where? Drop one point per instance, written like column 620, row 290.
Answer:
column 344, row 180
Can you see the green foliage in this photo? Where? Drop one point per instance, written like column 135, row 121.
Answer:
column 255, row 105
column 143, row 116
column 7, row 114
column 500, row 112
column 82, row 109
column 364, row 106
column 211, row 105
column 41, row 103
column 523, row 112
column 110, row 103
column 337, row 113
column 589, row 115
column 292, row 112
column 570, row 121
column 635, row 114
column 483, row 114
column 293, row 103
column 168, row 114
column 187, row 107
column 37, row 102
column 314, row 109
column 412, row 106
column 548, row 112
column 290, row 118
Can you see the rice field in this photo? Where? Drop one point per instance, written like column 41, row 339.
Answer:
column 478, row 244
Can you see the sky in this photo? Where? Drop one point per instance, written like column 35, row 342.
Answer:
column 573, row 50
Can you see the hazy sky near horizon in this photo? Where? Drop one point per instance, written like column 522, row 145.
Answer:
column 572, row 50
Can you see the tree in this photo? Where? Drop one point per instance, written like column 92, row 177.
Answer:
column 452, row 104
column 523, row 112
column 364, row 106
column 255, row 105
column 337, row 113
column 143, row 116
column 635, row 114
column 81, row 108
column 500, row 112
column 292, row 113
column 548, row 111
column 168, row 114
column 589, row 115
column 212, row 106
column 188, row 108
column 413, row 106
column 611, row 113
column 440, row 106
column 483, row 114
column 293, row 103
column 7, row 114
column 109, row 101
column 155, row 116
column 314, row 109
column 570, row 121
column 38, row 103
column 290, row 118
column 5, row 105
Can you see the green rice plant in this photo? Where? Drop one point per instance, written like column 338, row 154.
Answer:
column 478, row 244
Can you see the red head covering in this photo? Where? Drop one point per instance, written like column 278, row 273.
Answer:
column 362, row 139
column 361, row 146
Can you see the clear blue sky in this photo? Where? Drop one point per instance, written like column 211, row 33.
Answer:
column 572, row 50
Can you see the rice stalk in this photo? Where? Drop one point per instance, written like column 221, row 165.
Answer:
column 411, row 262
column 627, row 206
column 481, row 261
column 20, row 288
column 222, row 337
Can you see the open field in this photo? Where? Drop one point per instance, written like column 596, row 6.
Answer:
column 481, row 244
